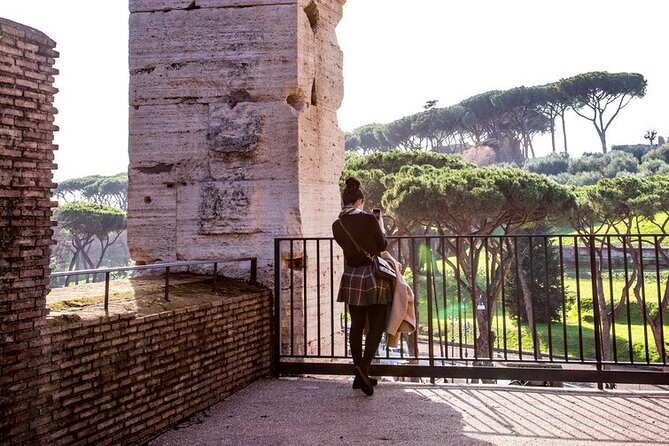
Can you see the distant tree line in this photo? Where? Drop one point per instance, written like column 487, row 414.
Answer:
column 91, row 223
column 107, row 190
column 506, row 120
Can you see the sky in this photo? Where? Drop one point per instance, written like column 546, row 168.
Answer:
column 398, row 54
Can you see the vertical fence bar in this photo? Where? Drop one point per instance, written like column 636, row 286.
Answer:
column 595, row 307
column 346, row 330
column 332, row 300
column 613, row 306
column 399, row 258
column 564, row 301
column 435, row 269
column 642, row 278
column 549, row 311
column 535, row 334
column 500, row 270
column 415, row 264
column 430, row 323
column 107, row 275
column 253, row 279
column 459, row 291
column 473, row 264
column 277, row 306
column 503, row 242
column 487, row 309
column 292, row 298
column 518, row 272
column 167, row 284
column 216, row 277
column 444, row 305
column 630, row 349
column 305, row 302
column 663, row 353
column 318, row 294
column 578, row 299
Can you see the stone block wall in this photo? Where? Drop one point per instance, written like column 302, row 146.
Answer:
column 233, row 131
column 27, row 57
column 124, row 379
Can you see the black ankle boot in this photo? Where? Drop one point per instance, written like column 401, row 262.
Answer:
column 356, row 382
column 365, row 382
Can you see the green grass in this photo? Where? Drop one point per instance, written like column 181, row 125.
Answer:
column 625, row 338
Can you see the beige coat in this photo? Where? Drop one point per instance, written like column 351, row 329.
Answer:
column 402, row 315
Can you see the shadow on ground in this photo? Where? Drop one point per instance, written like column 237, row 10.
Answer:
column 328, row 412
column 322, row 412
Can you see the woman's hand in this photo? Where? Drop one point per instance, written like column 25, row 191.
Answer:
column 383, row 228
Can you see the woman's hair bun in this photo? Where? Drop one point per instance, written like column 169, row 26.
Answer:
column 352, row 183
column 351, row 192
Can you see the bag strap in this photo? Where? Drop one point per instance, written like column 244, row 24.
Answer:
column 341, row 223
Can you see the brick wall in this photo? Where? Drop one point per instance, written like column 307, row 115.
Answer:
column 27, row 57
column 122, row 380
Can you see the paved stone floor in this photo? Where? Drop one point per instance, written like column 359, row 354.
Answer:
column 307, row 411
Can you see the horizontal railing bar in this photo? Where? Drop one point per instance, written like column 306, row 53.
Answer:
column 451, row 359
column 460, row 236
column 151, row 266
column 527, row 374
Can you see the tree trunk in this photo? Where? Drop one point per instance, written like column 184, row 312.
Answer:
column 564, row 132
column 602, row 139
column 529, row 310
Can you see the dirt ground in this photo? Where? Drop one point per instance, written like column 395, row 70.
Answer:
column 141, row 295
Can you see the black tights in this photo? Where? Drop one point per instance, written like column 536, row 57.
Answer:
column 376, row 315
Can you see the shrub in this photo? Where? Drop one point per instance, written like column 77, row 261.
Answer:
column 659, row 153
column 552, row 164
column 588, row 162
column 636, row 150
column 619, row 163
column 654, row 167
column 578, row 179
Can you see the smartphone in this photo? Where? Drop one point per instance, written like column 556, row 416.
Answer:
column 376, row 213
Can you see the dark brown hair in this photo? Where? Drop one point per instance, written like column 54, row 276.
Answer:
column 352, row 192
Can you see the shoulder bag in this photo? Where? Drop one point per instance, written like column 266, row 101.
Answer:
column 382, row 269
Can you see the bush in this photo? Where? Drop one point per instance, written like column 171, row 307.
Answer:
column 589, row 162
column 659, row 153
column 619, row 163
column 654, row 167
column 578, row 179
column 636, row 150
column 553, row 164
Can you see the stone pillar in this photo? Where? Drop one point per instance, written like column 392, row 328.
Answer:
column 27, row 57
column 233, row 131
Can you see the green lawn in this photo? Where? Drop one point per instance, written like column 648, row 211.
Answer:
column 451, row 310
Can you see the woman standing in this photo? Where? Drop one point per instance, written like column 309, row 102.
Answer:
column 360, row 234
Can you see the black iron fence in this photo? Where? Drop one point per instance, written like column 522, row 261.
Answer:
column 106, row 275
column 522, row 307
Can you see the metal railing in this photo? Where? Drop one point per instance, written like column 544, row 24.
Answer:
column 565, row 307
column 168, row 267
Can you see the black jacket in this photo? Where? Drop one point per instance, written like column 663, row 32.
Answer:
column 365, row 229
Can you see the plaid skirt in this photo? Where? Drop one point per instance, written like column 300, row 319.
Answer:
column 360, row 287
